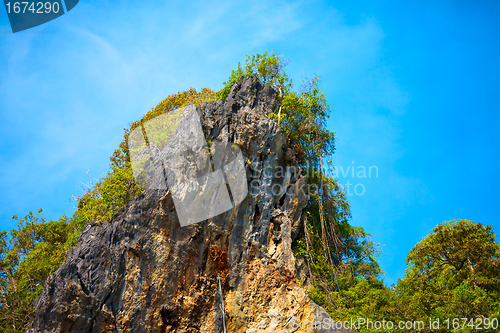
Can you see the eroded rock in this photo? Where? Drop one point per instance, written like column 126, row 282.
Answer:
column 236, row 272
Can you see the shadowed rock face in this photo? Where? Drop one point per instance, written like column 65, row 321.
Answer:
column 236, row 272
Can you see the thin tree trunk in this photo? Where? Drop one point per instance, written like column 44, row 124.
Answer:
column 471, row 270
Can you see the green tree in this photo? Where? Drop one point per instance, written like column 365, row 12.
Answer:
column 454, row 272
column 462, row 251
column 28, row 255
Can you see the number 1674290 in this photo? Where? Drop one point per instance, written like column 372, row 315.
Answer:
column 33, row 7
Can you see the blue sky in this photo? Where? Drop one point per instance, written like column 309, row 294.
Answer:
column 414, row 90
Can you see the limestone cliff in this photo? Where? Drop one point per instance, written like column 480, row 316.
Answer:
column 236, row 272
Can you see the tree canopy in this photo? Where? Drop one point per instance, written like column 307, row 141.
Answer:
column 454, row 272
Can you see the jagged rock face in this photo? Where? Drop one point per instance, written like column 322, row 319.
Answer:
column 236, row 272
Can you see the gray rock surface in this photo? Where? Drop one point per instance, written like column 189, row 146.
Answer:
column 236, row 272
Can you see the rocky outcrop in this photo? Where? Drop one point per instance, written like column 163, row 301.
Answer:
column 236, row 272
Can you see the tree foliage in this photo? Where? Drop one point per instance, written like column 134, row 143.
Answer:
column 302, row 114
column 459, row 251
column 28, row 255
column 454, row 272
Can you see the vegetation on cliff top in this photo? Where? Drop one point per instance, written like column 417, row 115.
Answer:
column 453, row 272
